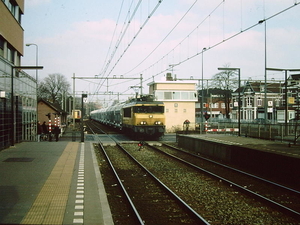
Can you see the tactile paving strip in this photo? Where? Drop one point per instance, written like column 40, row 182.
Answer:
column 49, row 206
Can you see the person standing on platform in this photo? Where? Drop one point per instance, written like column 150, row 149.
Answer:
column 39, row 131
column 45, row 130
column 56, row 132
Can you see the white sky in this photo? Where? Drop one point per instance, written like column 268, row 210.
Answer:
column 74, row 37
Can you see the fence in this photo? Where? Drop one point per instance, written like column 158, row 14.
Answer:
column 280, row 132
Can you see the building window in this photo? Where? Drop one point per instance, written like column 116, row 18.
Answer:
column 259, row 102
column 184, row 110
column 223, row 105
column 168, row 95
column 10, row 54
column 176, row 110
column 176, row 95
column 2, row 46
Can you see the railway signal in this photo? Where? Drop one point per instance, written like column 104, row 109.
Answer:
column 141, row 145
column 206, row 116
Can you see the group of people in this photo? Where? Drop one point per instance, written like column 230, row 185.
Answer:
column 43, row 132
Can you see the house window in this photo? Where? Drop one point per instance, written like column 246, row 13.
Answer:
column 184, row 110
column 249, row 101
column 223, row 105
column 259, row 102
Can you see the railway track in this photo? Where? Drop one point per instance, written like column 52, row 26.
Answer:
column 150, row 199
column 149, row 202
column 285, row 198
column 227, row 203
column 93, row 127
column 217, row 199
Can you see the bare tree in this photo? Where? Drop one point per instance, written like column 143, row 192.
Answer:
column 53, row 87
column 226, row 81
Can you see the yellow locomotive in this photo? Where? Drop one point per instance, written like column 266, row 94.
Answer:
column 141, row 117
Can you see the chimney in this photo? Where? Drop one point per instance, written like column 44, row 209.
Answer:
column 169, row 77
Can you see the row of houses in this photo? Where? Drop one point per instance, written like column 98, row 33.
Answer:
column 257, row 100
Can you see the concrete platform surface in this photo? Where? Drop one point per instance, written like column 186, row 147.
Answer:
column 276, row 147
column 52, row 183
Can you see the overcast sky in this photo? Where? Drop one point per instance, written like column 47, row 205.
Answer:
column 82, row 37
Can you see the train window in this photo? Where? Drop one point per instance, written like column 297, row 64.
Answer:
column 127, row 112
column 148, row 109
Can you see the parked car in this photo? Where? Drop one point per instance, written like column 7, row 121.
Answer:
column 294, row 121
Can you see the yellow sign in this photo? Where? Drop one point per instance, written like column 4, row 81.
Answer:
column 291, row 100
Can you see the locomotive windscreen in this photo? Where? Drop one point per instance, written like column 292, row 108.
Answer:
column 148, row 109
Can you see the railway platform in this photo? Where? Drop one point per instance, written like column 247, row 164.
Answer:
column 52, row 183
column 278, row 160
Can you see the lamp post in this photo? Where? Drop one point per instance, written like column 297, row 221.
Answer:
column 81, row 118
column 239, row 98
column 202, row 92
column 36, row 78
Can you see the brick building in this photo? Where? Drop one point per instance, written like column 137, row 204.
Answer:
column 57, row 115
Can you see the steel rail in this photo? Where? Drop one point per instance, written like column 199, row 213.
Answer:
column 136, row 213
column 236, row 170
column 199, row 218
column 276, row 204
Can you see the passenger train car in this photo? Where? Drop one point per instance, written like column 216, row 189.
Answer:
column 142, row 117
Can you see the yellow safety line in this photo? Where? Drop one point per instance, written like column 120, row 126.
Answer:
column 49, row 206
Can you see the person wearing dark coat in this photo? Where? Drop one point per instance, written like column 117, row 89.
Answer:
column 56, row 132
column 45, row 129
column 39, row 131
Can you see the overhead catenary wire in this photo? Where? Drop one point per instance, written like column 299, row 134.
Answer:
column 212, row 46
column 119, row 40
column 163, row 38
column 112, row 38
column 180, row 43
column 122, row 35
column 134, row 38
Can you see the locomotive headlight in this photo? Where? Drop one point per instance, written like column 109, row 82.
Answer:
column 143, row 123
column 157, row 123
column 150, row 116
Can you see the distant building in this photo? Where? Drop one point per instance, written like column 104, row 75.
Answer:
column 253, row 104
column 293, row 96
column 214, row 104
column 57, row 115
column 179, row 98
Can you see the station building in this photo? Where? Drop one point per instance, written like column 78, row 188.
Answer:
column 18, row 101
column 179, row 98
